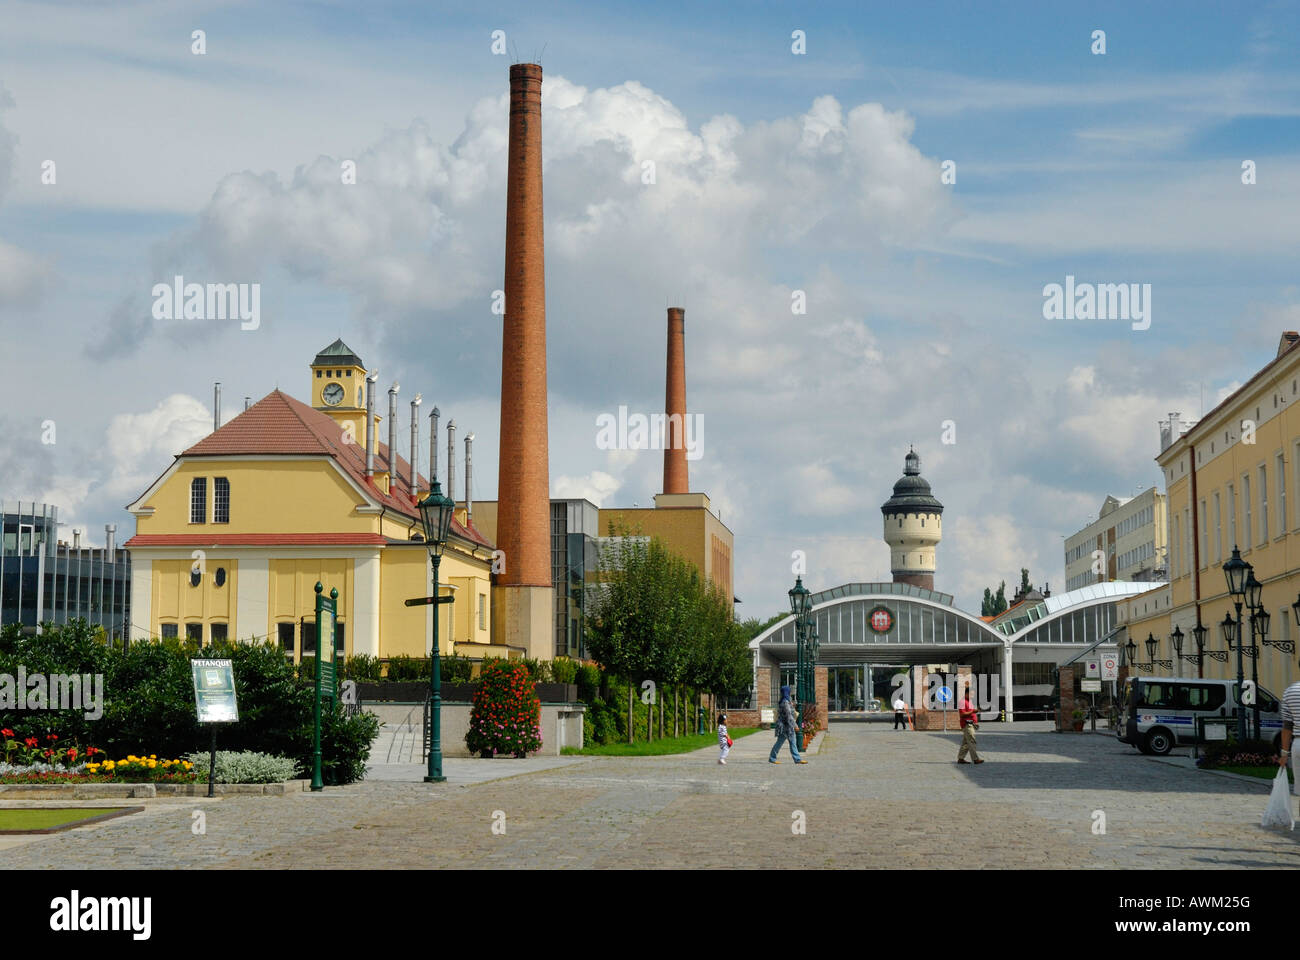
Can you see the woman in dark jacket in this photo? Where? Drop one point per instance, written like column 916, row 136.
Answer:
column 787, row 728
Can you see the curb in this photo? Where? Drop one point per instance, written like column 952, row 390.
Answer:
column 119, row 791
column 1258, row 781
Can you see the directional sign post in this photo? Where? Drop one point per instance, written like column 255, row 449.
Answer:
column 943, row 695
column 426, row 601
column 326, row 687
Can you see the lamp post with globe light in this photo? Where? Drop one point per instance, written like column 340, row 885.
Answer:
column 435, row 514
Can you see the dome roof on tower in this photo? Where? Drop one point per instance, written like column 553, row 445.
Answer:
column 912, row 491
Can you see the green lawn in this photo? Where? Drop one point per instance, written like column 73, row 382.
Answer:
column 1264, row 773
column 42, row 818
column 658, row 748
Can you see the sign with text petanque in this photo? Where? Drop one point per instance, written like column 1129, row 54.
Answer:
column 326, row 614
column 214, row 691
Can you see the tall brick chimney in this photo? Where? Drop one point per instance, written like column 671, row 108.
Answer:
column 675, row 475
column 523, row 593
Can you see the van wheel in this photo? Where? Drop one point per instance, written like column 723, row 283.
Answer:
column 1159, row 741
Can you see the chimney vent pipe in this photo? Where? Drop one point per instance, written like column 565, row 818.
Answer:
column 392, row 436
column 451, row 460
column 370, row 426
column 76, row 538
column 433, row 446
column 469, row 478
column 415, row 446
column 216, row 406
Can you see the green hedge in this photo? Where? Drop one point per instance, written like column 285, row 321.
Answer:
column 149, row 700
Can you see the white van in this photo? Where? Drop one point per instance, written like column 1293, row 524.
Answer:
column 1159, row 713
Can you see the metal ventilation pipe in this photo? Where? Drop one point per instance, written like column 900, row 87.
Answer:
column 415, row 446
column 216, row 406
column 370, row 426
column 76, row 538
column 433, row 446
column 248, row 402
column 110, row 538
column 392, row 435
column 451, row 460
column 469, row 477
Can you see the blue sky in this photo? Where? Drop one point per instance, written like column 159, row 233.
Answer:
column 776, row 173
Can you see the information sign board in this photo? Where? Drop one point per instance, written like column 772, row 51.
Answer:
column 214, row 691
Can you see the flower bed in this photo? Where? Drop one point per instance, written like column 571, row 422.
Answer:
column 506, row 714
column 42, row 750
column 1248, row 753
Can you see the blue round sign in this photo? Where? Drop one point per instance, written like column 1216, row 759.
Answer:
column 943, row 694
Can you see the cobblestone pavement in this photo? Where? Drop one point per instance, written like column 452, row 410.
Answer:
column 870, row 797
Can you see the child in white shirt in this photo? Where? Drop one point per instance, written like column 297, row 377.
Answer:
column 724, row 741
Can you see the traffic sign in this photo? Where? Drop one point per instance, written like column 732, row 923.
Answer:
column 1110, row 667
column 943, row 694
column 1092, row 668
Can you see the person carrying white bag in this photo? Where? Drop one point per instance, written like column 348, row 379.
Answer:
column 1278, row 813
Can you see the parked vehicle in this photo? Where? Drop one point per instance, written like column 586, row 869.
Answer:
column 1160, row 713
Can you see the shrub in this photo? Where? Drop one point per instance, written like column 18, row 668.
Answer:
column 588, row 679
column 245, row 766
column 404, row 669
column 149, row 701
column 506, row 714
column 539, row 670
column 456, row 669
column 564, row 670
column 1248, row 753
column 363, row 668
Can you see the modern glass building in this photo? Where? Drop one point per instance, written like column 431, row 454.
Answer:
column 43, row 579
column 573, row 561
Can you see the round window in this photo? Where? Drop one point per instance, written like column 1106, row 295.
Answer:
column 221, row 576
column 195, row 577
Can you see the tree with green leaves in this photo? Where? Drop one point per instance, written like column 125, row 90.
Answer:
column 993, row 604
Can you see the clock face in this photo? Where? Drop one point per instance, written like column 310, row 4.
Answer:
column 333, row 394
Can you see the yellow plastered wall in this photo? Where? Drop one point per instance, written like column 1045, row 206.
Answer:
column 271, row 496
column 174, row 600
column 291, row 588
column 405, row 572
column 690, row 532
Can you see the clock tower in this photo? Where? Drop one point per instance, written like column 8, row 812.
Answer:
column 338, row 388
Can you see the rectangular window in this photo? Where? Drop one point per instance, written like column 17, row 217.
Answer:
column 308, row 639
column 199, row 500
column 220, row 500
column 169, row 631
column 339, row 645
column 1205, row 537
column 482, row 611
column 1281, row 495
column 1188, row 533
column 1218, row 529
column 1263, row 506
column 1232, row 519
column 194, row 632
column 285, row 635
column 1247, row 526
column 219, row 632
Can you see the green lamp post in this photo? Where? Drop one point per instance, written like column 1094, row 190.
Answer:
column 1235, row 570
column 435, row 513
column 800, row 604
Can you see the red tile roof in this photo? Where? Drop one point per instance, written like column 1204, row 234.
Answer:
column 280, row 425
column 200, row 539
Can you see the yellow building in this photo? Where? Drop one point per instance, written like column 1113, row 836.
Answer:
column 1231, row 480
column 232, row 538
column 687, row 525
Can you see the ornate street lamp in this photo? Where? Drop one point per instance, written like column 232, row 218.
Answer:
column 1235, row 571
column 800, row 605
column 1254, row 590
column 1228, row 630
column 1259, row 621
column 435, row 514
column 1176, row 640
column 1152, row 645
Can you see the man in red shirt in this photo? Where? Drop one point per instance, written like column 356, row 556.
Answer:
column 970, row 722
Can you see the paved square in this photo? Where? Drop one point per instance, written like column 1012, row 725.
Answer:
column 871, row 797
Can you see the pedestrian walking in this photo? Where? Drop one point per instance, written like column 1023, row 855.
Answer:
column 787, row 728
column 1290, row 727
column 900, row 713
column 724, row 741
column 970, row 721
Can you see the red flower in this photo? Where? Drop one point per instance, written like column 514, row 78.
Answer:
column 91, row 751
column 31, row 741
column 72, row 752
column 49, row 753
column 52, row 736
column 7, row 732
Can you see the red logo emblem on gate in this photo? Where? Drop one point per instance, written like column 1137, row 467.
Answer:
column 882, row 621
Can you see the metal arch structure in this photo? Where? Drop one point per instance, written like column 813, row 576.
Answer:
column 927, row 626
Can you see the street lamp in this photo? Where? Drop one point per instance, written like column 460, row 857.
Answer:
column 800, row 604
column 1259, row 621
column 1176, row 640
column 1152, row 645
column 435, row 514
column 1235, row 570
